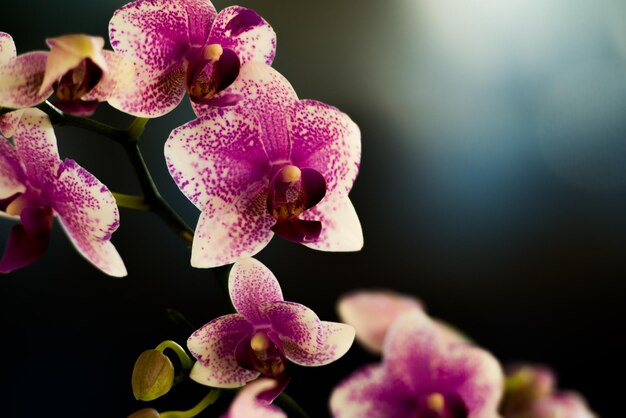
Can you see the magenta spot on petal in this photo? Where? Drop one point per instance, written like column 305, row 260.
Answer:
column 245, row 20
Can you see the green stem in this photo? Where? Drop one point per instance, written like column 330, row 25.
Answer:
column 291, row 407
column 209, row 399
column 131, row 201
column 180, row 352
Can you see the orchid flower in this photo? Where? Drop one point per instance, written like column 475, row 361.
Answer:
column 250, row 403
column 531, row 393
column 270, row 164
column 266, row 331
column 372, row 312
column 76, row 69
column 36, row 185
column 184, row 45
column 423, row 374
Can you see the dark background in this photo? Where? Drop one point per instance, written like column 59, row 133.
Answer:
column 493, row 187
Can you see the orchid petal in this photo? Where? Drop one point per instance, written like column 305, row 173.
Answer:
column 11, row 174
column 227, row 232
column 565, row 405
column 36, row 147
column 298, row 327
column 246, row 33
column 9, row 122
column 20, row 79
column 67, row 52
column 160, row 32
column 334, row 341
column 341, row 229
column 214, row 346
column 248, row 404
column 7, row 48
column 29, row 240
column 418, row 354
column 371, row 313
column 219, row 155
column 269, row 95
column 326, row 140
column 89, row 214
column 153, row 93
column 119, row 79
column 250, row 284
column 369, row 393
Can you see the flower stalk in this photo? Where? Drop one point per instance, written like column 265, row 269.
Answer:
column 208, row 400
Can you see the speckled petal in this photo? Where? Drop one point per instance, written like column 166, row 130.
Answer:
column 246, row 33
column 219, row 155
column 158, row 34
column 36, row 147
column 119, row 79
column 153, row 94
column 89, row 214
column 214, row 346
column 269, row 95
column 7, row 48
column 251, row 284
column 11, row 174
column 227, row 232
column 333, row 342
column 9, row 122
column 341, row 229
column 67, row 52
column 327, row 140
column 417, row 353
column 247, row 404
column 369, row 393
column 298, row 327
column 20, row 79
column 371, row 313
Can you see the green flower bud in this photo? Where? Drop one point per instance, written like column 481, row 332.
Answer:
column 153, row 376
column 145, row 413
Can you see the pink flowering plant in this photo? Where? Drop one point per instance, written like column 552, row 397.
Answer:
column 256, row 161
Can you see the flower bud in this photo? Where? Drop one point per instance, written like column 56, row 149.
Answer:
column 145, row 413
column 525, row 385
column 153, row 376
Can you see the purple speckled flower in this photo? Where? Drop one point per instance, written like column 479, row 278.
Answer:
column 250, row 402
column 270, row 164
column 77, row 70
column 234, row 349
column 424, row 374
column 36, row 185
column 184, row 45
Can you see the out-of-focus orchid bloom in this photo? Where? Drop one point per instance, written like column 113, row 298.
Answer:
column 250, row 402
column 76, row 69
column 423, row 374
column 371, row 313
column 531, row 393
column 266, row 331
column 270, row 164
column 184, row 45
column 36, row 185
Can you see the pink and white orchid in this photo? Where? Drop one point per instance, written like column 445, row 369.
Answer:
column 423, row 374
column 270, row 164
column 266, row 331
column 250, row 403
column 184, row 45
column 77, row 70
column 36, row 185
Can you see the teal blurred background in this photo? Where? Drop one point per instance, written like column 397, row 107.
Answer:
column 493, row 187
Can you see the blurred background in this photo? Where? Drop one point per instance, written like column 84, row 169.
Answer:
column 492, row 187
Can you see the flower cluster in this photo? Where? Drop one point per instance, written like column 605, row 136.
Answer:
column 256, row 161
